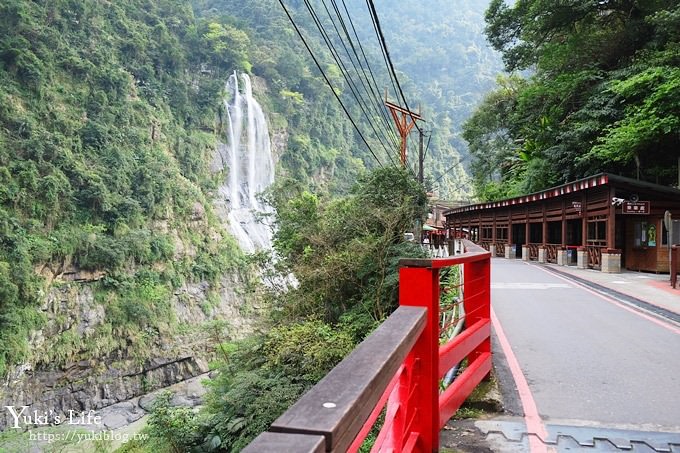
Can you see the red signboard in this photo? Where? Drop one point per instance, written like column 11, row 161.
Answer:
column 636, row 207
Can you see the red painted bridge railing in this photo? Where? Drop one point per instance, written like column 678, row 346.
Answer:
column 398, row 369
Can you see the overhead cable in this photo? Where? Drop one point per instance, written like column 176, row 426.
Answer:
column 376, row 22
column 375, row 89
column 345, row 73
column 323, row 73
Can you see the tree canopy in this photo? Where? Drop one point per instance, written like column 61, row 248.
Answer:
column 599, row 91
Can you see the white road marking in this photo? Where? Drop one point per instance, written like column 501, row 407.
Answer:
column 528, row 285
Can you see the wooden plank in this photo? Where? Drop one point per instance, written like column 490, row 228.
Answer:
column 479, row 254
column 338, row 406
column 298, row 443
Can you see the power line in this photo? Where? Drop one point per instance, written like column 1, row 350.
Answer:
column 345, row 73
column 375, row 89
column 337, row 97
column 429, row 137
column 385, row 132
column 376, row 22
column 460, row 161
column 377, row 30
column 372, row 94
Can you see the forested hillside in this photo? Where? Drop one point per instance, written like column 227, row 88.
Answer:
column 105, row 133
column 108, row 126
column 114, row 269
column 448, row 66
column 442, row 60
column 440, row 53
column 603, row 95
column 322, row 150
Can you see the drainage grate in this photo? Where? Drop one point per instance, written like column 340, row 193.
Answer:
column 508, row 436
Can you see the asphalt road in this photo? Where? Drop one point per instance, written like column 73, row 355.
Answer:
column 587, row 360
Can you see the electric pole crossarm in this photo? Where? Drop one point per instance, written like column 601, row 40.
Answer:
column 405, row 121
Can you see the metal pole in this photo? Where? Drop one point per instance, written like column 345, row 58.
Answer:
column 420, row 159
column 668, row 223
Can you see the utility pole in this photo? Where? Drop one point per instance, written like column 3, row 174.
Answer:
column 405, row 120
column 421, row 157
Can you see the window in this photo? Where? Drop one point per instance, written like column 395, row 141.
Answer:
column 597, row 231
column 487, row 233
column 502, row 233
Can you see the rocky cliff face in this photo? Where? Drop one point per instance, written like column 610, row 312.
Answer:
column 56, row 379
column 101, row 382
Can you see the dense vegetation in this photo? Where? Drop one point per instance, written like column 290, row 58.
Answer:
column 603, row 95
column 107, row 131
column 105, row 136
column 343, row 253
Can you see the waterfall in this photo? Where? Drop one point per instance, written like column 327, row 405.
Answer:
column 248, row 158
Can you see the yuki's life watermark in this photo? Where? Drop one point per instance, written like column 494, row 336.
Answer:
column 22, row 418
column 77, row 437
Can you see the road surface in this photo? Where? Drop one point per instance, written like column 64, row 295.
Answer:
column 601, row 374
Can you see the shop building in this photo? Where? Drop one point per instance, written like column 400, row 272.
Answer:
column 605, row 222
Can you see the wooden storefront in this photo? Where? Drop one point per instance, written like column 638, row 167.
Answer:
column 601, row 216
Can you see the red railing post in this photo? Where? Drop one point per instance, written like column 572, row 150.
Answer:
column 477, row 296
column 420, row 287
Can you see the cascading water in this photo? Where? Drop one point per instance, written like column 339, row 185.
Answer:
column 247, row 155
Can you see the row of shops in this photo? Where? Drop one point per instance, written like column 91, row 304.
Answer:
column 604, row 222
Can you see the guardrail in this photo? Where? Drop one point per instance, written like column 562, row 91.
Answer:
column 551, row 252
column 397, row 369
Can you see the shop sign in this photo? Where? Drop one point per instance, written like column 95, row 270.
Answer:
column 636, row 207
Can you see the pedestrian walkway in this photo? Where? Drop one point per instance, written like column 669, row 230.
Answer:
column 654, row 289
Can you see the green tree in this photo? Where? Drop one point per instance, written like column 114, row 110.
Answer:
column 601, row 96
column 344, row 255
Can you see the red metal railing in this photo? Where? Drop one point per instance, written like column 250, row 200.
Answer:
column 339, row 412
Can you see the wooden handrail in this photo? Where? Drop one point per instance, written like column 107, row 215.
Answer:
column 294, row 443
column 337, row 407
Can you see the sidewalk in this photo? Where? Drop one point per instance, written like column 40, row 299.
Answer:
column 654, row 289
